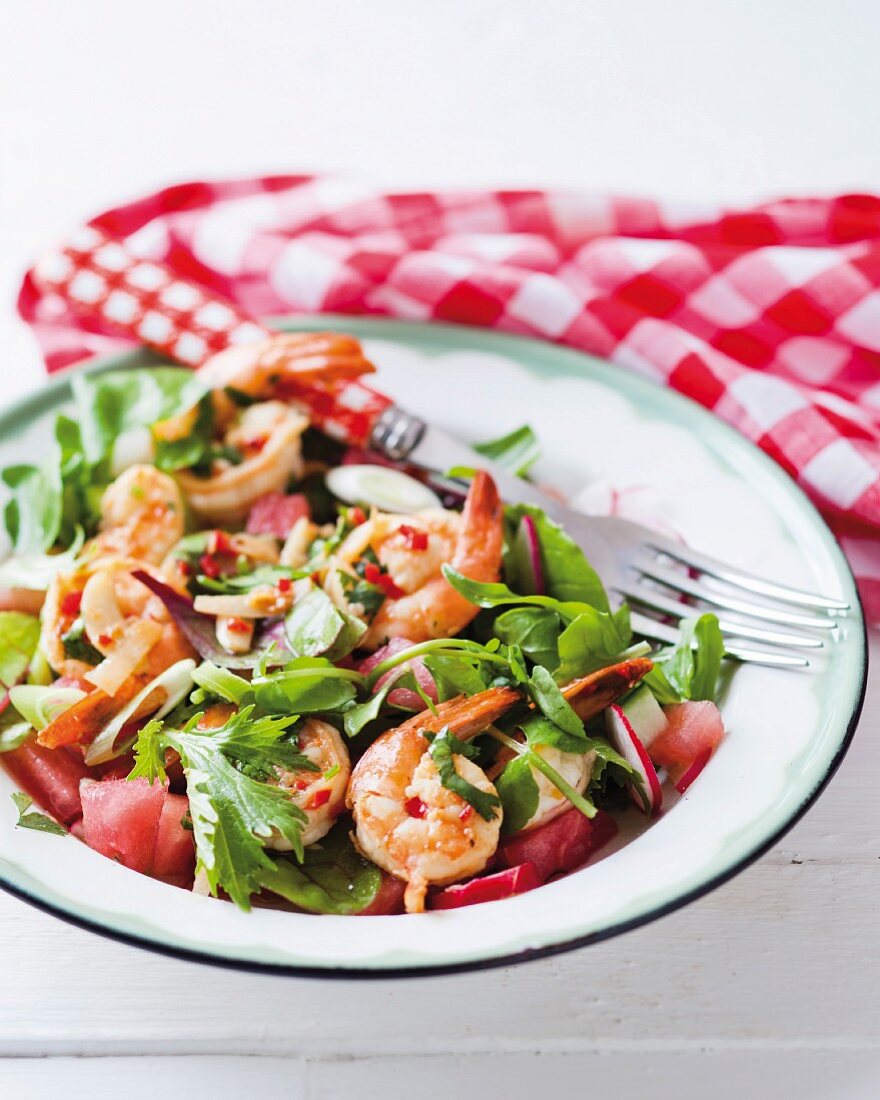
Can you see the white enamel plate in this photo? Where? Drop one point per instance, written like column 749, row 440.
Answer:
column 608, row 439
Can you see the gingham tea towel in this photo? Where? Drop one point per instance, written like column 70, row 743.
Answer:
column 768, row 315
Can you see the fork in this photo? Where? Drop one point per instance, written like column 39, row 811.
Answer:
column 763, row 622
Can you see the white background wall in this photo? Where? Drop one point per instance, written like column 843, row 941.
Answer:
column 768, row 987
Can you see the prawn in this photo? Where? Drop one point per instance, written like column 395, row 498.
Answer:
column 429, row 606
column 141, row 516
column 122, row 623
column 406, row 821
column 267, row 436
column 319, row 794
column 275, row 367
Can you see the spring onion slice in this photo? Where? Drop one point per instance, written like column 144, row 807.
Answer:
column 380, row 486
column 176, row 681
column 36, row 572
column 40, row 705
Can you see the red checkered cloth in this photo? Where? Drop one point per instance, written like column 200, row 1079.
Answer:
column 769, row 316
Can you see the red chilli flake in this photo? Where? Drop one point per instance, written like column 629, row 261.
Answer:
column 284, row 584
column 414, row 538
column 209, row 566
column 415, row 807
column 238, row 626
column 319, row 798
column 374, row 575
column 104, row 640
column 70, row 604
column 466, row 812
column 357, row 516
column 220, row 543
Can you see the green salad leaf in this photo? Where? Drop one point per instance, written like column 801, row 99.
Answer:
column 306, row 685
column 444, row 748
column 568, row 576
column 33, row 820
column 19, row 634
column 535, row 630
column 233, row 809
column 315, row 627
column 517, row 451
column 333, row 877
column 519, row 794
column 690, row 668
column 591, row 640
column 114, row 402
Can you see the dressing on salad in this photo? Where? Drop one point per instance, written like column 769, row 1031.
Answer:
column 246, row 662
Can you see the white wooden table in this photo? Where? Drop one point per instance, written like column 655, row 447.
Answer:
column 769, row 986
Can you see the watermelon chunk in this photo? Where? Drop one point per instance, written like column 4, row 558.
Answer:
column 695, row 730
column 175, row 856
column 562, row 845
column 121, row 820
column 276, row 513
column 50, row 776
column 503, row 884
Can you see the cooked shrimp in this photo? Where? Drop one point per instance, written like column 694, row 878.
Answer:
column 430, row 607
column 407, row 822
column 268, row 438
column 276, row 366
column 141, row 515
column 121, row 619
column 319, row 794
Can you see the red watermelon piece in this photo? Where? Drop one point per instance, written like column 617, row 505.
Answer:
column 562, row 845
column 50, row 776
column 276, row 513
column 694, row 731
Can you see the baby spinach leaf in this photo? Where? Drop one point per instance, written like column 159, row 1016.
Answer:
column 333, row 877
column 592, row 640
column 535, row 630
column 553, row 704
column 19, row 635
column 568, row 576
column 689, row 670
column 516, row 451
column 116, row 401
column 307, row 685
column 518, row 791
column 315, row 626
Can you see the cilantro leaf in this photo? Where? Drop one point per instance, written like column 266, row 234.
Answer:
column 444, row 747
column 34, row 820
column 233, row 811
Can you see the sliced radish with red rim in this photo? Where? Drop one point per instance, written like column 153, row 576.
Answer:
column 627, row 742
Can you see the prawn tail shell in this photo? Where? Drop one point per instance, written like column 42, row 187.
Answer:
column 590, row 695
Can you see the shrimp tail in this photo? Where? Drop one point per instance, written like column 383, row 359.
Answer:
column 482, row 530
column 590, row 695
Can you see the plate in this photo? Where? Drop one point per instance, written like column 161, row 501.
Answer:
column 609, row 439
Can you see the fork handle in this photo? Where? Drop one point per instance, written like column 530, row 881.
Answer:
column 102, row 280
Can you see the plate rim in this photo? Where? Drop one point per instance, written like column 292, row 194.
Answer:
column 40, row 400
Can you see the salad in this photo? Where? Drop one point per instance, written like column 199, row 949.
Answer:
column 249, row 662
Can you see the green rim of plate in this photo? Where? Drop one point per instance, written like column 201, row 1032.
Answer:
column 545, row 358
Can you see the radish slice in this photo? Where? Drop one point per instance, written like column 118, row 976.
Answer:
column 627, row 742
column 527, row 551
column 693, row 771
column 387, row 489
column 644, row 714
